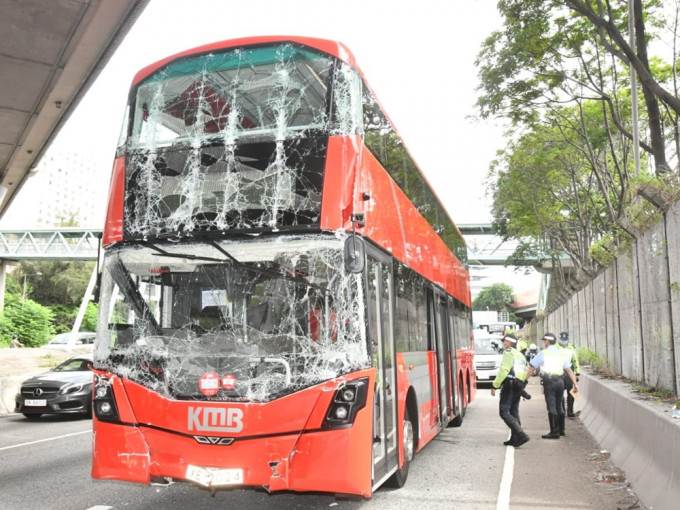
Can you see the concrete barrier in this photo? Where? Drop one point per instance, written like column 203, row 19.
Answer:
column 641, row 435
column 9, row 387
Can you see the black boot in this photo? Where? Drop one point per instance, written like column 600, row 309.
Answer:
column 520, row 435
column 510, row 441
column 554, row 430
column 560, row 423
column 570, row 406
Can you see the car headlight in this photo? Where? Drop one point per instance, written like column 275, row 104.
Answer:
column 71, row 388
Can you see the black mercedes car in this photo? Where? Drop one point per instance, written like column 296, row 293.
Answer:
column 65, row 389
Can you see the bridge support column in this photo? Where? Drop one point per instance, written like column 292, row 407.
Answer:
column 3, row 280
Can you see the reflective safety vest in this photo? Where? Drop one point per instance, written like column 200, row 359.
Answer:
column 513, row 365
column 575, row 365
column 553, row 361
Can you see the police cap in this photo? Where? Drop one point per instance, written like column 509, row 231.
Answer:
column 510, row 338
column 564, row 339
column 550, row 338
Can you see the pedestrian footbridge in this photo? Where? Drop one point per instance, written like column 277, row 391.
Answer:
column 50, row 244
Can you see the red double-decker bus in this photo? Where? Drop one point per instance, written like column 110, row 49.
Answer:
column 284, row 302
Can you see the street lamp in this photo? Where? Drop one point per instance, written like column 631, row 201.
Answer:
column 23, row 294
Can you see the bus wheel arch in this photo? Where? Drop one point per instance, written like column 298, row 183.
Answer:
column 409, row 441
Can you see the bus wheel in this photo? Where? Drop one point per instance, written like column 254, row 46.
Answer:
column 460, row 408
column 398, row 479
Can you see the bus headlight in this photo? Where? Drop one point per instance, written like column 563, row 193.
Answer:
column 345, row 405
column 104, row 403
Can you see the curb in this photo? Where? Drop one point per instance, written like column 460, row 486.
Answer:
column 642, row 439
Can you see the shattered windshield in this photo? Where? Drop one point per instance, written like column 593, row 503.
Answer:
column 235, row 140
column 251, row 321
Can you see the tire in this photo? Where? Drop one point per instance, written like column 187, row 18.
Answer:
column 408, row 445
column 458, row 420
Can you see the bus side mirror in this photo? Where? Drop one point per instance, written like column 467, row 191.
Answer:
column 355, row 254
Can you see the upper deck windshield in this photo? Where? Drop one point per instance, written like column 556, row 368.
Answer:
column 272, row 317
column 235, row 140
column 269, row 90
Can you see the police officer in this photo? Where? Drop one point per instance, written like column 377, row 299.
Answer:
column 553, row 365
column 511, row 379
column 571, row 354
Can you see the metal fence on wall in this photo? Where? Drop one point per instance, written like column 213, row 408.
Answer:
column 630, row 313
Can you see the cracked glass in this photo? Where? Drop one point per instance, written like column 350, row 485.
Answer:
column 235, row 140
column 266, row 317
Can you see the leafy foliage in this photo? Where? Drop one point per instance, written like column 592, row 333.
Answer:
column 559, row 72
column 56, row 282
column 498, row 296
column 30, row 321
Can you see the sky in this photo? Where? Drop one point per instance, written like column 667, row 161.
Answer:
column 417, row 56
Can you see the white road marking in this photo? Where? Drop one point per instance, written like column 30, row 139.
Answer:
column 99, row 507
column 503, row 502
column 44, row 440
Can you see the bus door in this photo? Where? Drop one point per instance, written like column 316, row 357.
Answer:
column 444, row 353
column 381, row 335
column 454, row 338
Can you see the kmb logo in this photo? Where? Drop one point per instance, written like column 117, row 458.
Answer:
column 215, row 419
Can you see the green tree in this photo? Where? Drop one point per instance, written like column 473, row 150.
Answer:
column 28, row 320
column 553, row 51
column 497, row 297
column 56, row 282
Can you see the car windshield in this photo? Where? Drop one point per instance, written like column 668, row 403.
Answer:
column 74, row 365
column 488, row 346
column 272, row 316
column 60, row 339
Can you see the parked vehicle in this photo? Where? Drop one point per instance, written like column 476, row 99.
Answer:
column 488, row 355
column 65, row 389
column 72, row 341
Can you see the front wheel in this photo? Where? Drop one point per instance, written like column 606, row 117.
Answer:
column 408, row 445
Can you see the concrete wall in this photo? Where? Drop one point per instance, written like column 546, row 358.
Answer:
column 630, row 313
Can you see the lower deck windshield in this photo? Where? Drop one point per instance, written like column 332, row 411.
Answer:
column 249, row 321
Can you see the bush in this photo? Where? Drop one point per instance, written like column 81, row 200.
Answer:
column 30, row 321
column 90, row 319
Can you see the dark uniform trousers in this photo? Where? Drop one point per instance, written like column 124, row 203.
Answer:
column 553, row 389
column 508, row 406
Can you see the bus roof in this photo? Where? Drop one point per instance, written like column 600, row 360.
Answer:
column 335, row 48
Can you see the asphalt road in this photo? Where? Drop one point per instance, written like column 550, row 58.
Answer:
column 45, row 464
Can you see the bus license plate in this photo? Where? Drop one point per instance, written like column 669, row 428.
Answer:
column 211, row 477
column 36, row 403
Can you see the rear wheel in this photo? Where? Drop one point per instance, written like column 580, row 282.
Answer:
column 408, row 446
column 460, row 407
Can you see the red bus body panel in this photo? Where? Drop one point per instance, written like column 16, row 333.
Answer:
column 113, row 229
column 395, row 225
column 281, row 447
